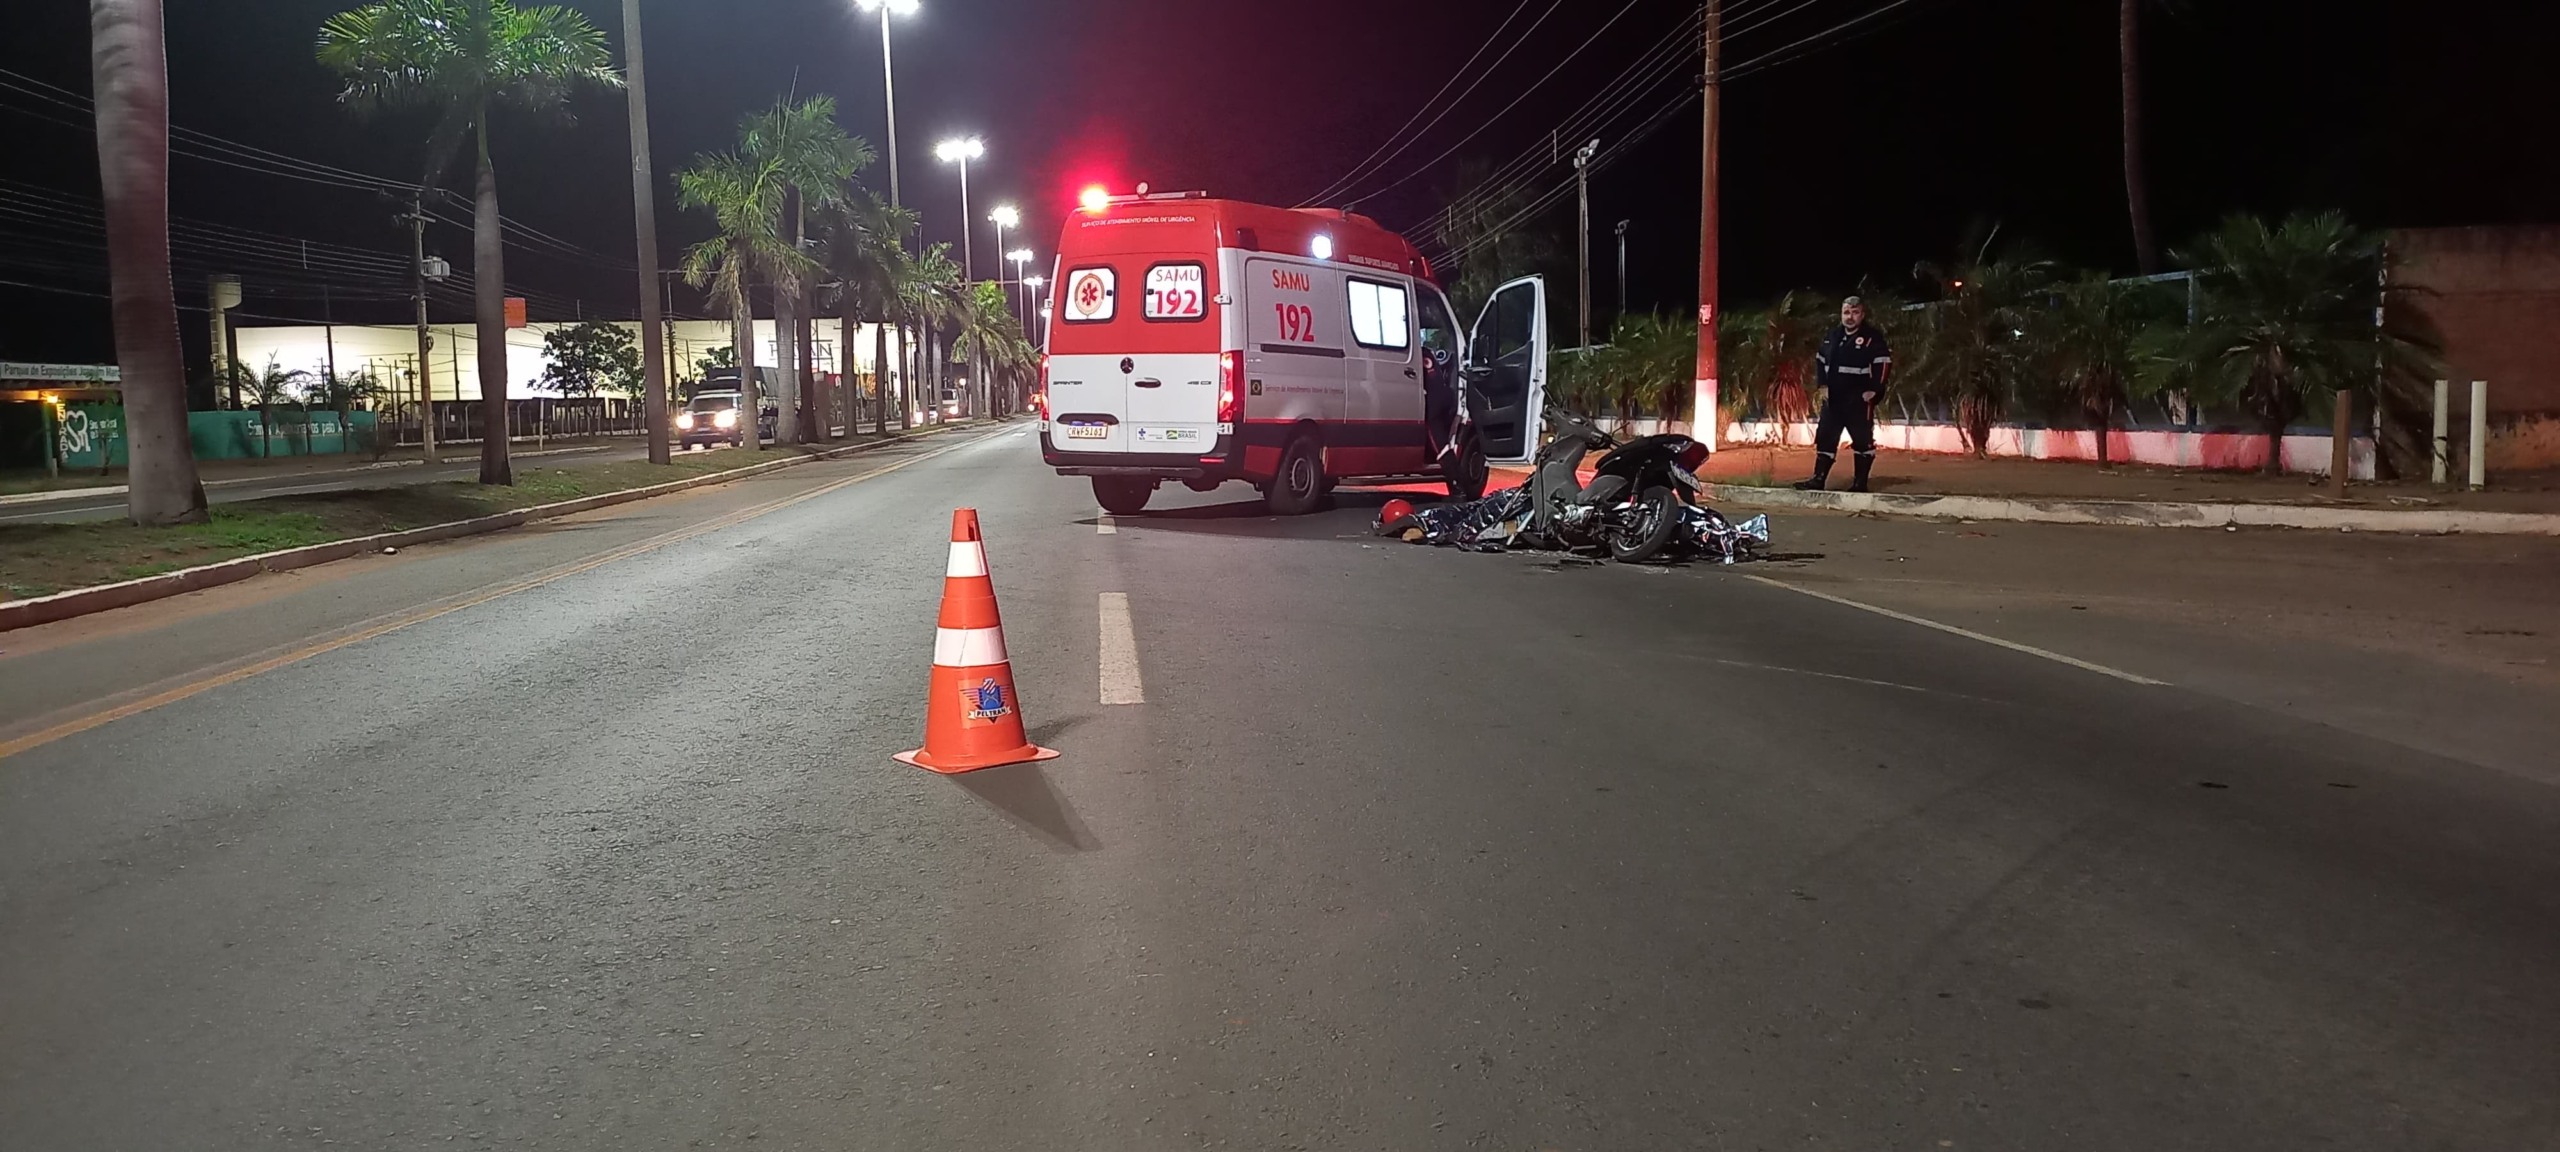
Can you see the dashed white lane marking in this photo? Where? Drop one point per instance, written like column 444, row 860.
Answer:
column 1968, row 634
column 1120, row 682
column 1852, row 679
column 1104, row 525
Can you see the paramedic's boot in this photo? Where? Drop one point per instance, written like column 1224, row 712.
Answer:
column 1821, row 475
column 1866, row 464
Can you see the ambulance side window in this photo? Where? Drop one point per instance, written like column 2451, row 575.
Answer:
column 1439, row 332
column 1381, row 315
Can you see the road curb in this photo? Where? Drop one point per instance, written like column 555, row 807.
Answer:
column 2146, row 514
column 59, row 606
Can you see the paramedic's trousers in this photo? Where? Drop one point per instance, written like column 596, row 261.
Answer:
column 1853, row 415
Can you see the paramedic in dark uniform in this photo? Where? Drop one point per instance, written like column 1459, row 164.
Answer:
column 1851, row 366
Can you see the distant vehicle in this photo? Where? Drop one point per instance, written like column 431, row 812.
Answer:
column 711, row 417
column 1288, row 348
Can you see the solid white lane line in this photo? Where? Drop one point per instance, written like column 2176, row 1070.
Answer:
column 1120, row 682
column 1104, row 525
column 1968, row 634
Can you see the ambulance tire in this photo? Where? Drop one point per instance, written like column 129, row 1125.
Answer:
column 1123, row 495
column 1299, row 488
column 1472, row 473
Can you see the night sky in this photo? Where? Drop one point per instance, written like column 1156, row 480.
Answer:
column 1882, row 148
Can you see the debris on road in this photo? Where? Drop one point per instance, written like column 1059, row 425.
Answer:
column 1493, row 524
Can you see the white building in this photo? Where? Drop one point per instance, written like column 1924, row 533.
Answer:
column 454, row 362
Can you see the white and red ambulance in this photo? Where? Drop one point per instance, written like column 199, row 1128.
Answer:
column 1202, row 341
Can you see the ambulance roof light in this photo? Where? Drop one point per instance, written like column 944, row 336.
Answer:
column 1095, row 198
column 1321, row 247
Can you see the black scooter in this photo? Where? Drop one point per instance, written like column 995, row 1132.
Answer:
column 1634, row 504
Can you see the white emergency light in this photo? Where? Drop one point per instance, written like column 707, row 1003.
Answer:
column 1322, row 247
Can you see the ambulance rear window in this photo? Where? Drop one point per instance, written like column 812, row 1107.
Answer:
column 1176, row 292
column 1093, row 295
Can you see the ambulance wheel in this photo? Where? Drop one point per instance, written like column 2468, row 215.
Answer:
column 1300, row 486
column 1204, row 484
column 1470, row 472
column 1122, row 495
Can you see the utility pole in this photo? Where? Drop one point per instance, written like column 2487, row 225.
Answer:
column 1622, row 266
column 1702, row 412
column 644, row 214
column 417, row 221
column 1582, row 236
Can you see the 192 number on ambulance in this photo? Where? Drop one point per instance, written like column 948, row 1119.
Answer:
column 1173, row 292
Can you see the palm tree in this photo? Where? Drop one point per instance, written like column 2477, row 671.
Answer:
column 990, row 339
column 269, row 388
column 744, row 196
column 1971, row 347
column 2287, row 321
column 865, row 248
column 934, row 296
column 2088, row 341
column 1769, row 355
column 463, row 58
column 815, row 161
column 128, row 63
column 2137, row 195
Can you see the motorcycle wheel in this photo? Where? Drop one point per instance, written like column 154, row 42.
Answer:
column 1648, row 528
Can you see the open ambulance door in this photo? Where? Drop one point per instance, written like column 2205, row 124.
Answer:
column 1506, row 371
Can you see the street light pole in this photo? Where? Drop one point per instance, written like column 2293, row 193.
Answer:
column 644, row 212
column 961, row 151
column 1582, row 240
column 1622, row 266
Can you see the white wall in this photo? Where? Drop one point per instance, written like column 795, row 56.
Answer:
column 454, row 366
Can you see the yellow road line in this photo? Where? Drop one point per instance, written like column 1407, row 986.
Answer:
column 417, row 616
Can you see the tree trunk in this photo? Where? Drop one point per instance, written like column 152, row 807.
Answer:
column 742, row 337
column 489, row 300
column 129, row 70
column 786, row 357
column 880, row 377
column 2146, row 249
column 906, row 380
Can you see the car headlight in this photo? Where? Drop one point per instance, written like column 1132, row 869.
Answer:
column 684, row 419
column 725, row 418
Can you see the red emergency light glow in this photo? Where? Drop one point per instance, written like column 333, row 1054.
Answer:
column 1096, row 198
column 1230, row 386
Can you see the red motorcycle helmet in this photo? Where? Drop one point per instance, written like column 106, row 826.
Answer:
column 1392, row 515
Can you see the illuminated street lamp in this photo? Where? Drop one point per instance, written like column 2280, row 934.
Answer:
column 961, row 150
column 1039, row 312
column 888, row 77
column 1005, row 216
column 1021, row 258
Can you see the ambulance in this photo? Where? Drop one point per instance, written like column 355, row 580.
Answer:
column 1203, row 341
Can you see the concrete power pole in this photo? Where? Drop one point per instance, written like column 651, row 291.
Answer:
column 417, row 221
column 1582, row 237
column 644, row 212
column 1702, row 415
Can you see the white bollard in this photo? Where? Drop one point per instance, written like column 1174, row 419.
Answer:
column 2479, row 435
column 2442, row 449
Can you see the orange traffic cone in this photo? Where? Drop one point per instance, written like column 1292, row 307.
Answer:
column 971, row 718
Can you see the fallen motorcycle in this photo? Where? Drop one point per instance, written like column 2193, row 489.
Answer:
column 1642, row 502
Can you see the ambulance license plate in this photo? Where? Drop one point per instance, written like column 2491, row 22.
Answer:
column 1088, row 431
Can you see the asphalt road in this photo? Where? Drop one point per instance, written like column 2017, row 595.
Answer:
column 588, row 837
column 298, row 482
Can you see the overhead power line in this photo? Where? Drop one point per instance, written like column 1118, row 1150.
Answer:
column 1381, row 155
